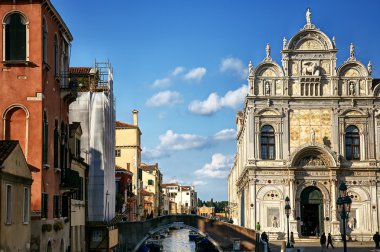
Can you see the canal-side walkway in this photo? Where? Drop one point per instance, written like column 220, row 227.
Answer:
column 315, row 247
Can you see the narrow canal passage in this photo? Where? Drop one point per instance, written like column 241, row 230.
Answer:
column 178, row 240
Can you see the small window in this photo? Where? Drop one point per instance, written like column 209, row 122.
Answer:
column 352, row 143
column 26, row 212
column 187, row 193
column 267, row 142
column 117, row 153
column 15, row 37
column 45, row 203
column 150, row 182
column 77, row 148
column 8, row 219
column 56, row 145
column 56, row 209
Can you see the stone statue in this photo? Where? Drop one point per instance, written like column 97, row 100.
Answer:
column 308, row 16
column 352, row 50
column 274, row 222
column 312, row 136
column 284, row 43
column 267, row 88
column 250, row 68
column 352, row 88
column 334, row 41
column 267, row 49
column 310, row 68
column 369, row 67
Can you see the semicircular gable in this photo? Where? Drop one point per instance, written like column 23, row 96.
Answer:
column 316, row 155
column 352, row 69
column 268, row 112
column 310, row 40
column 352, row 112
column 264, row 191
column 268, row 69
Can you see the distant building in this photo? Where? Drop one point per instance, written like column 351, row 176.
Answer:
column 35, row 95
column 128, row 157
column 206, row 211
column 184, row 198
column 152, row 180
column 126, row 200
column 15, row 185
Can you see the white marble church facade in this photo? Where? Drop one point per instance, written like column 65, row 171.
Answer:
column 306, row 126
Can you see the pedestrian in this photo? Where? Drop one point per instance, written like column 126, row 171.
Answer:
column 292, row 240
column 376, row 239
column 265, row 239
column 258, row 226
column 329, row 241
column 322, row 240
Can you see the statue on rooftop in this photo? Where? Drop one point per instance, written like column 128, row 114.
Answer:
column 308, row 16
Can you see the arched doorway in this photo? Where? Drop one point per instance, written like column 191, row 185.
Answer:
column 311, row 211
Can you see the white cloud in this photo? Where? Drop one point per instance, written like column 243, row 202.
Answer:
column 206, row 107
column 171, row 141
column 161, row 83
column 218, row 168
column 178, row 70
column 233, row 65
column 233, row 99
column 165, row 98
column 174, row 141
column 155, row 153
column 225, row 134
column 195, row 74
column 199, row 183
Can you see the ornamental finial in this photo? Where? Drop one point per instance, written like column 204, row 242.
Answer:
column 284, row 43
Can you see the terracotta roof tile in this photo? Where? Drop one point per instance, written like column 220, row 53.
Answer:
column 80, row 70
column 145, row 193
column 169, row 184
column 119, row 124
column 6, row 148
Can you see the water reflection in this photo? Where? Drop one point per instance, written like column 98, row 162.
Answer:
column 178, row 240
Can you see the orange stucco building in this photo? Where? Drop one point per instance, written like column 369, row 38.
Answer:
column 35, row 93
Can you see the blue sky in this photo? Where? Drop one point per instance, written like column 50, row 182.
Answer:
column 183, row 65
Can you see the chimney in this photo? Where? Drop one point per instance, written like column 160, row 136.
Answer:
column 135, row 117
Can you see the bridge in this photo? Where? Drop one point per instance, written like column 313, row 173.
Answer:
column 221, row 234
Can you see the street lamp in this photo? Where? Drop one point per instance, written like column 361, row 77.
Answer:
column 287, row 213
column 344, row 206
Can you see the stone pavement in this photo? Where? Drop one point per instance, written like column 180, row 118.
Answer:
column 315, row 247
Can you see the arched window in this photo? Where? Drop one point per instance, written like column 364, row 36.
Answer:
column 352, row 143
column 44, row 41
column 267, row 142
column 56, row 144
column 56, row 55
column 15, row 32
column 45, row 140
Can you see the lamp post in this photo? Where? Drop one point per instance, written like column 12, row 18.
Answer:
column 344, row 206
column 287, row 213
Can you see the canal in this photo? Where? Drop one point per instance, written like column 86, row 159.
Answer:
column 178, row 240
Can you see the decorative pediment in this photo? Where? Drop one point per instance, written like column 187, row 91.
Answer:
column 311, row 161
column 309, row 44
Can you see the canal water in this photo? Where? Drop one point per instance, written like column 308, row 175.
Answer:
column 178, row 240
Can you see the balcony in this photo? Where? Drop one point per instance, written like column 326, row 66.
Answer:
column 69, row 87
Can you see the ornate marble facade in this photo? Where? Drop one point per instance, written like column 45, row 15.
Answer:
column 306, row 126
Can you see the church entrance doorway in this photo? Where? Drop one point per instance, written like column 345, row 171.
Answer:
column 312, row 212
